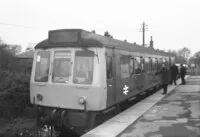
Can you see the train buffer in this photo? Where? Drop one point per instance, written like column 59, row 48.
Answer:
column 176, row 114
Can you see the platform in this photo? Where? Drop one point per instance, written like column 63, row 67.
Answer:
column 158, row 115
column 177, row 115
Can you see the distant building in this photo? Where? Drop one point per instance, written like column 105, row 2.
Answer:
column 26, row 58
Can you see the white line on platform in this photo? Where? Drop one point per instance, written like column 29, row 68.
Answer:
column 120, row 122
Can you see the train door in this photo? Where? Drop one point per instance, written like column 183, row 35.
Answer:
column 155, row 70
column 124, row 86
column 111, row 78
column 132, row 76
column 139, row 76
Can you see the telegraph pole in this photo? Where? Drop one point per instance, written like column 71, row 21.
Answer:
column 143, row 29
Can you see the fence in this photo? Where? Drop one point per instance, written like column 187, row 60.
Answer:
column 193, row 71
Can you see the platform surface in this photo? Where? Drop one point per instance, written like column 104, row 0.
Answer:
column 124, row 122
column 177, row 115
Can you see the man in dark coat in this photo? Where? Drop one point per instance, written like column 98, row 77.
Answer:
column 174, row 73
column 182, row 73
column 165, row 78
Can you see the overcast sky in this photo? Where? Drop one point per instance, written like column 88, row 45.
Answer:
column 174, row 24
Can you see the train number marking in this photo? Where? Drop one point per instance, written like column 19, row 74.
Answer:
column 125, row 89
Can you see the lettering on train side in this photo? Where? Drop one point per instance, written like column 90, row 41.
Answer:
column 125, row 89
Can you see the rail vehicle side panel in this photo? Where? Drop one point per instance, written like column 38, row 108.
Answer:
column 136, row 83
column 110, row 72
column 124, row 83
column 119, row 81
column 149, row 80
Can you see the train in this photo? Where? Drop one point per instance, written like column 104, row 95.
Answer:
column 77, row 74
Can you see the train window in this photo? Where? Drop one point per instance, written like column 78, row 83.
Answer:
column 154, row 65
column 124, row 66
column 160, row 62
column 142, row 64
column 157, row 62
column 83, row 68
column 62, row 66
column 166, row 61
column 109, row 71
column 147, row 65
column 42, row 66
column 137, row 65
column 150, row 64
column 131, row 64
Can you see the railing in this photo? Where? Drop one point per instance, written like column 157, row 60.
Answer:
column 193, row 71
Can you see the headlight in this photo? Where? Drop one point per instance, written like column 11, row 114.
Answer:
column 39, row 97
column 82, row 100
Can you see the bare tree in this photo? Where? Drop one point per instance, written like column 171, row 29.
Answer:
column 183, row 55
column 15, row 49
column 195, row 59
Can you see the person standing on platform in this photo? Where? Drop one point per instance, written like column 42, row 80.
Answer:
column 174, row 73
column 164, row 78
column 182, row 73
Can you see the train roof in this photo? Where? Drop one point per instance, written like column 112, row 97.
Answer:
column 81, row 38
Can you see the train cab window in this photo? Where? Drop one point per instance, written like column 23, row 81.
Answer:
column 124, row 63
column 109, row 71
column 83, row 67
column 42, row 66
column 62, row 66
column 137, row 65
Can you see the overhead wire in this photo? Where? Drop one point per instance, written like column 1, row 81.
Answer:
column 16, row 25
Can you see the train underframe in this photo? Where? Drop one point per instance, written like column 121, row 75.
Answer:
column 64, row 121
column 76, row 122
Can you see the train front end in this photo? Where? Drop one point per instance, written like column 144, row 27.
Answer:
column 67, row 83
